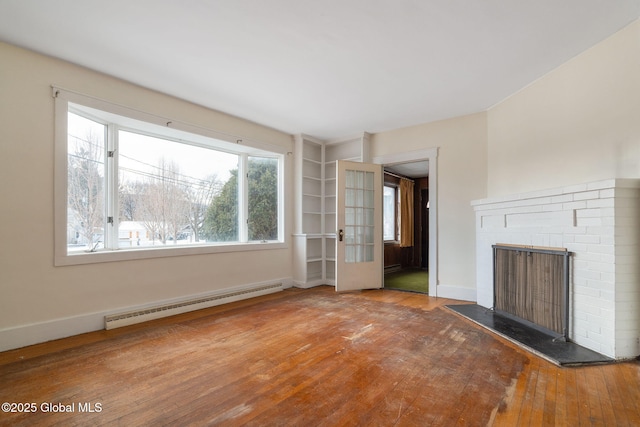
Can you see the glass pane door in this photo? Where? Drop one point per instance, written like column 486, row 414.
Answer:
column 359, row 225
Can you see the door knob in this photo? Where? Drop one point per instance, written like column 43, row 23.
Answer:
column 340, row 235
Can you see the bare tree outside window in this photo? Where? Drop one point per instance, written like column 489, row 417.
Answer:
column 200, row 196
column 85, row 186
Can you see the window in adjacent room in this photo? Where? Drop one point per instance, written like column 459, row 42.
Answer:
column 389, row 213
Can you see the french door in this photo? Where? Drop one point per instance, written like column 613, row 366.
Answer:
column 359, row 250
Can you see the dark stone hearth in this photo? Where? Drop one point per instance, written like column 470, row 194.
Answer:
column 558, row 351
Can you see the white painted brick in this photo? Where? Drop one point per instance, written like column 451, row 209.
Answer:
column 492, row 221
column 607, row 240
column 524, row 209
column 579, row 263
column 585, row 195
column 607, row 193
column 591, row 257
column 608, row 294
column 587, row 291
column 589, row 221
column 588, row 213
column 605, row 323
column 608, row 211
column 587, row 238
column 580, row 328
column 562, row 198
column 601, row 267
column 577, row 247
column 545, row 219
column 556, row 240
column 576, row 230
column 593, row 330
column 591, row 305
column 603, row 288
column 588, row 274
column 579, row 315
column 608, row 277
column 601, row 203
column 603, row 231
column 595, row 345
column 578, row 282
column 596, row 337
column 552, row 208
column 574, row 205
column 601, row 249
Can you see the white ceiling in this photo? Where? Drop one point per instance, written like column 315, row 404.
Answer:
column 417, row 169
column 327, row 68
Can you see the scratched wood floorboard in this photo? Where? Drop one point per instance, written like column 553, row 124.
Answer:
column 312, row 357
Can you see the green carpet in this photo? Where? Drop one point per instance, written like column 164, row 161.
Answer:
column 415, row 280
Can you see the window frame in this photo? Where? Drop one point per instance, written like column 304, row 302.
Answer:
column 396, row 202
column 65, row 99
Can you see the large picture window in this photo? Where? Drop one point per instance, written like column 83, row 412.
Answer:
column 136, row 186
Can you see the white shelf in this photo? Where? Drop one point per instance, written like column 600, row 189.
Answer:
column 311, row 186
column 312, row 169
column 312, row 150
column 314, row 250
column 312, row 203
column 316, row 163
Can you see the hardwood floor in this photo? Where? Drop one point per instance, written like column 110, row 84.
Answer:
column 310, row 357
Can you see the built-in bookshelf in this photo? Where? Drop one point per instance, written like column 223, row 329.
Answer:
column 315, row 186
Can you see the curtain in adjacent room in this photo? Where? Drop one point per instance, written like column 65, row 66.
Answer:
column 406, row 213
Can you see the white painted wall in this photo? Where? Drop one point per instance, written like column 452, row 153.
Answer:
column 48, row 302
column 579, row 123
column 462, row 176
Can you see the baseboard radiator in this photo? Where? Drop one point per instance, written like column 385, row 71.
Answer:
column 392, row 268
column 165, row 310
column 532, row 283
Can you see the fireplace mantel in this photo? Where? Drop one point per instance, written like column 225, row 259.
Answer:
column 599, row 222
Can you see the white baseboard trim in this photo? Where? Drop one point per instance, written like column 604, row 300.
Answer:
column 456, row 292
column 36, row 333
column 313, row 284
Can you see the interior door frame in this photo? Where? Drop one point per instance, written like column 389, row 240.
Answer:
column 430, row 155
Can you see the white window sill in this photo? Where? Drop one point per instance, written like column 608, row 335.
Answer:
column 136, row 254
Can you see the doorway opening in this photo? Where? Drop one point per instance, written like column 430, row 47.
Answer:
column 406, row 226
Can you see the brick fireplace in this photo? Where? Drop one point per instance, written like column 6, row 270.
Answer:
column 599, row 223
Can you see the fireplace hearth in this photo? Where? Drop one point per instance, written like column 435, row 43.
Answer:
column 599, row 224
